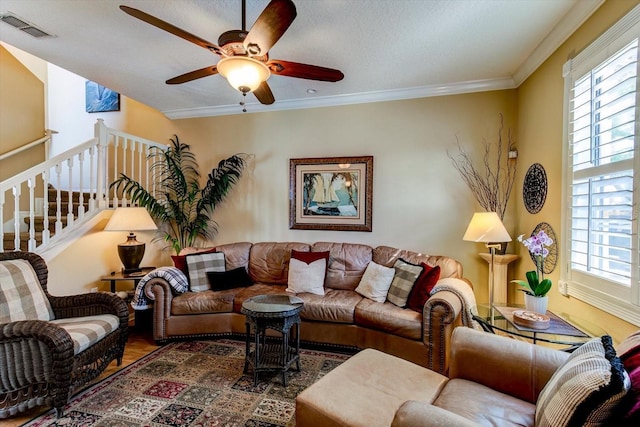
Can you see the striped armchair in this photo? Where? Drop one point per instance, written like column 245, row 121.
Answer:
column 50, row 347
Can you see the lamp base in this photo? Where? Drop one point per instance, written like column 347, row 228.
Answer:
column 131, row 253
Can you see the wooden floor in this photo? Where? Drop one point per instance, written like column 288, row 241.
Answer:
column 138, row 345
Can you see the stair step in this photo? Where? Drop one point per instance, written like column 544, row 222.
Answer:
column 38, row 222
column 64, row 195
column 24, row 240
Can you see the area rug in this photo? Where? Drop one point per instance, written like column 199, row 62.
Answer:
column 196, row 383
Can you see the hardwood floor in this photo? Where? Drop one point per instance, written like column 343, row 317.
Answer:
column 140, row 343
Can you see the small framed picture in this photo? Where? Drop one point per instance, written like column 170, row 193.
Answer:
column 331, row 193
column 99, row 99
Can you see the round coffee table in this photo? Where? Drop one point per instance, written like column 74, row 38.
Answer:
column 279, row 313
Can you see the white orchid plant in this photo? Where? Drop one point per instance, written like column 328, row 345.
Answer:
column 536, row 284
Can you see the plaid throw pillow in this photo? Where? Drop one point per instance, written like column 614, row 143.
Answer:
column 199, row 264
column 585, row 390
column 405, row 276
column 21, row 297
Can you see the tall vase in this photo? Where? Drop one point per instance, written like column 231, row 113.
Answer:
column 536, row 304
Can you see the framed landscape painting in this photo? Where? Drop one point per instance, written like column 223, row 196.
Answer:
column 99, row 99
column 331, row 193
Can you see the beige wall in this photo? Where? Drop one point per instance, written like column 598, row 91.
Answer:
column 419, row 201
column 540, row 104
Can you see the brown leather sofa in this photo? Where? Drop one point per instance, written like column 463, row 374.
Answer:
column 493, row 381
column 341, row 317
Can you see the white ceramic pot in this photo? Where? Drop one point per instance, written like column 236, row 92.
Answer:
column 536, row 304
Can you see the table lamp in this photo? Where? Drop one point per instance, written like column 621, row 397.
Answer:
column 131, row 219
column 487, row 228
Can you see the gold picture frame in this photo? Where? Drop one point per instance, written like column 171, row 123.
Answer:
column 331, row 193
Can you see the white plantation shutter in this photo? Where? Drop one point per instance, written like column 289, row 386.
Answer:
column 603, row 170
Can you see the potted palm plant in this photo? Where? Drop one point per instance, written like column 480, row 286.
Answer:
column 181, row 208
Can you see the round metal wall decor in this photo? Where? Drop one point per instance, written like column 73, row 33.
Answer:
column 534, row 188
column 550, row 260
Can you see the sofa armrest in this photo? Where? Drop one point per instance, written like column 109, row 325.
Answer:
column 514, row 367
column 440, row 315
column 413, row 413
column 159, row 291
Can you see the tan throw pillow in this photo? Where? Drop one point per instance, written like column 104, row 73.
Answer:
column 21, row 296
column 307, row 277
column 199, row 264
column 375, row 282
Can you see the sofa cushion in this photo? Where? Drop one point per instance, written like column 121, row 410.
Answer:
column 336, row 306
column 204, row 302
column 375, row 282
column 269, row 261
column 347, row 263
column 484, row 405
column 199, row 264
column 21, row 296
column 585, row 389
column 255, row 290
column 404, row 278
column 236, row 254
column 307, row 271
column 87, row 330
column 389, row 318
column 422, row 288
column 223, row 280
column 386, row 255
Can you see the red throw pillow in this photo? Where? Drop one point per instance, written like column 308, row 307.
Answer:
column 631, row 406
column 421, row 290
column 180, row 261
column 309, row 257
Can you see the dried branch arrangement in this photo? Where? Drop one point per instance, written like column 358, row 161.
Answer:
column 492, row 184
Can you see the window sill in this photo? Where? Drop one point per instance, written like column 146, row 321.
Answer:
column 614, row 306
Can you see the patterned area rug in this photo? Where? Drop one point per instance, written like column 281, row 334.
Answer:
column 197, row 383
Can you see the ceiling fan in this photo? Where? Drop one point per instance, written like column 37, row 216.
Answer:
column 245, row 59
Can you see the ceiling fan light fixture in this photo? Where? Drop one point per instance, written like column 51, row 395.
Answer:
column 243, row 73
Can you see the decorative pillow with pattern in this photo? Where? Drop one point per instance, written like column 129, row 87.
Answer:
column 629, row 411
column 199, row 264
column 404, row 278
column 180, row 261
column 21, row 296
column 586, row 389
column 375, row 282
column 307, row 271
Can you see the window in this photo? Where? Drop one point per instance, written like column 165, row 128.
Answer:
column 602, row 162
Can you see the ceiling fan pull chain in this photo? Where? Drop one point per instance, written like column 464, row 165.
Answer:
column 242, row 102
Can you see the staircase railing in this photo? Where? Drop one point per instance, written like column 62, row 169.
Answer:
column 71, row 187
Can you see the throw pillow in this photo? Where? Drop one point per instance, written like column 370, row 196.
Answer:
column 180, row 261
column 375, row 282
column 630, row 409
column 422, row 288
column 404, row 278
column 198, row 265
column 223, row 280
column 585, row 390
column 307, row 271
column 21, row 296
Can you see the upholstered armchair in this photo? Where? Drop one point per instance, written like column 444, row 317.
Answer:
column 50, row 346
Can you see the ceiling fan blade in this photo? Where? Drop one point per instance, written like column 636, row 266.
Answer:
column 193, row 75
column 304, row 71
column 264, row 94
column 159, row 23
column 270, row 26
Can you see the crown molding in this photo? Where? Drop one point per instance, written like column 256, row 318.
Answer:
column 357, row 98
column 559, row 34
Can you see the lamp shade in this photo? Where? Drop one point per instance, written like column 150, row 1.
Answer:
column 486, row 227
column 130, row 219
column 243, row 73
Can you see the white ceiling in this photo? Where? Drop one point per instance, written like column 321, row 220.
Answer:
column 387, row 49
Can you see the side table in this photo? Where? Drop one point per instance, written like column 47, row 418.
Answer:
column 279, row 313
column 119, row 276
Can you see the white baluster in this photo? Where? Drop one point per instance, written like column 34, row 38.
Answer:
column 81, row 187
column 31, row 183
column 92, row 180
column 16, row 217
column 2, row 221
column 70, row 213
column 45, row 222
column 58, row 200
